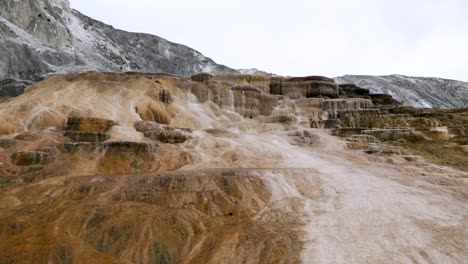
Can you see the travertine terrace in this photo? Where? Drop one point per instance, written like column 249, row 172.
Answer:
column 155, row 168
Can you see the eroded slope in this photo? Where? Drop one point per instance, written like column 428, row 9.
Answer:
column 135, row 168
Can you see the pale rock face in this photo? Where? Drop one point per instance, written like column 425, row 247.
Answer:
column 65, row 4
column 42, row 19
column 39, row 37
column 415, row 91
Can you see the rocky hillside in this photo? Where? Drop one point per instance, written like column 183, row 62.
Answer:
column 154, row 168
column 40, row 37
column 415, row 91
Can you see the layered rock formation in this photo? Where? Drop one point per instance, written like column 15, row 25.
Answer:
column 438, row 135
column 156, row 168
column 130, row 122
column 149, row 113
column 207, row 167
column 43, row 37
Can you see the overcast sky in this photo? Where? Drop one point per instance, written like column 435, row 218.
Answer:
column 307, row 37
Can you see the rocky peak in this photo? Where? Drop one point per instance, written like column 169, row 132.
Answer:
column 40, row 37
column 414, row 91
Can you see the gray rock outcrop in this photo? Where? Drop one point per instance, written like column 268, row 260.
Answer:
column 39, row 37
column 12, row 87
column 414, row 91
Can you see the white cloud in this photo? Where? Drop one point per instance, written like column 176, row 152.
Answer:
column 300, row 37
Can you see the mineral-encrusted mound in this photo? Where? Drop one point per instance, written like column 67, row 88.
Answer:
column 107, row 123
column 187, row 217
column 89, row 124
column 157, row 168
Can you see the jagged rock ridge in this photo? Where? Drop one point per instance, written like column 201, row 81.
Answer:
column 415, row 91
column 39, row 37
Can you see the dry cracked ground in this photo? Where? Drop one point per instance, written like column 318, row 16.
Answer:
column 107, row 168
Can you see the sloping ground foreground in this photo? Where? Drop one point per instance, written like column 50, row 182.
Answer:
column 233, row 182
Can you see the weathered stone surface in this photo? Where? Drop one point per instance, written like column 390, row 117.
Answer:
column 384, row 100
column 363, row 138
column 358, row 118
column 250, row 102
column 148, row 126
column 410, row 110
column 168, row 136
column 390, row 134
column 42, row 19
column 31, row 158
column 145, row 126
column 305, row 89
column 41, row 37
column 25, row 57
column 113, row 146
column 351, row 90
column 7, row 143
column 284, row 119
column 336, row 105
column 80, row 136
column 348, row 131
column 325, row 124
column 31, row 173
column 424, row 124
column 128, row 157
column 72, row 147
column 27, row 136
column 246, row 100
column 414, row 91
column 310, row 78
column 220, row 132
column 12, row 87
column 134, row 147
column 201, row 77
column 154, row 111
column 176, row 208
column 89, row 124
column 411, row 158
column 302, row 137
column 120, row 157
column 363, row 142
column 373, row 148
